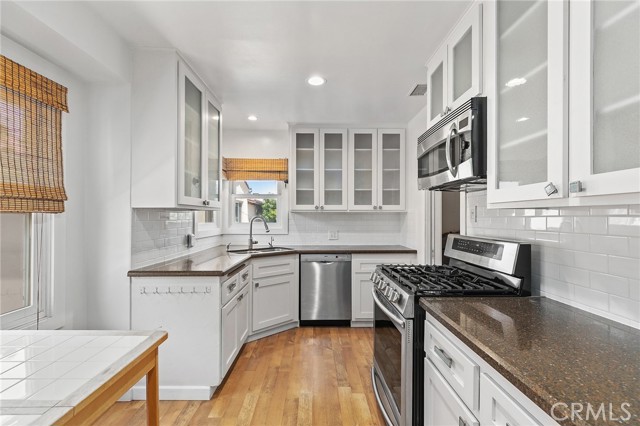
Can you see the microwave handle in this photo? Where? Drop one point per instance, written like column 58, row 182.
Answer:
column 453, row 130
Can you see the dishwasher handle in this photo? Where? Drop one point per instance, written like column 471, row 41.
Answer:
column 327, row 258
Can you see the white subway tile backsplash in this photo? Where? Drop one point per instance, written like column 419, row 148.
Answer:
column 609, row 245
column 590, row 225
column 586, row 256
column 625, row 266
column 610, row 284
column 625, row 226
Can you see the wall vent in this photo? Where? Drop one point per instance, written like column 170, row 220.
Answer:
column 419, row 90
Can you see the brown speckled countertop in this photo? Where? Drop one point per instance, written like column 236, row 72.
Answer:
column 552, row 352
column 216, row 262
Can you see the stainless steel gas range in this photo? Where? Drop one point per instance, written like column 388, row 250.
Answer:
column 477, row 267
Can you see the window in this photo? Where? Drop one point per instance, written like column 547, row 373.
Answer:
column 251, row 198
column 207, row 223
column 24, row 269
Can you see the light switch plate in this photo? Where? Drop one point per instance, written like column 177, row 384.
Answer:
column 333, row 235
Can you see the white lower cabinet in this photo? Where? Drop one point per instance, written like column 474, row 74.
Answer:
column 497, row 408
column 274, row 292
column 442, row 406
column 362, row 265
column 461, row 389
column 235, row 327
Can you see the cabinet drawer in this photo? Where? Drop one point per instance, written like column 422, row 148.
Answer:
column 442, row 406
column 462, row 374
column 244, row 277
column 368, row 263
column 497, row 408
column 228, row 289
column 273, row 266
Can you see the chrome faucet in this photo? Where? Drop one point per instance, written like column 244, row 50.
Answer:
column 266, row 228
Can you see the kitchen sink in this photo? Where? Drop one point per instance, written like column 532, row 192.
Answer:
column 260, row 250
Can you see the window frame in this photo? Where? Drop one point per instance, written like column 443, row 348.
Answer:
column 207, row 229
column 29, row 317
column 281, row 227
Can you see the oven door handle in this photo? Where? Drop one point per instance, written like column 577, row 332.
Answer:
column 453, row 131
column 393, row 317
column 378, row 399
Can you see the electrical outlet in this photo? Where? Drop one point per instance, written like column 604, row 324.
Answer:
column 474, row 214
column 333, row 235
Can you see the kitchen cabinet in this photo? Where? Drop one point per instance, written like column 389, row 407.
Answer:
column 319, row 175
column 275, row 292
column 454, row 72
column 461, row 388
column 376, row 170
column 442, row 406
column 565, row 115
column 362, row 266
column 235, row 327
column 527, row 125
column 604, row 98
column 176, row 127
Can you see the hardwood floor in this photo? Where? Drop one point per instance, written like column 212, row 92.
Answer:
column 304, row 376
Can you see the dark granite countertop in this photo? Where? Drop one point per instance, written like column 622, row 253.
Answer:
column 552, row 352
column 216, row 262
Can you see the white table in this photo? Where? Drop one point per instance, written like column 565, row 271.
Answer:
column 67, row 377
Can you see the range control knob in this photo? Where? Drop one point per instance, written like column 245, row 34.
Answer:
column 394, row 296
column 387, row 292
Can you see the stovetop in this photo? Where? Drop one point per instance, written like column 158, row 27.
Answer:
column 443, row 280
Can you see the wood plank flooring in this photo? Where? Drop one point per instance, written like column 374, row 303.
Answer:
column 303, row 376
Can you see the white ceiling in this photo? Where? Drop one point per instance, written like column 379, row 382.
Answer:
column 256, row 56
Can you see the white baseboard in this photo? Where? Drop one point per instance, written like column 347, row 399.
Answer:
column 176, row 393
column 362, row 323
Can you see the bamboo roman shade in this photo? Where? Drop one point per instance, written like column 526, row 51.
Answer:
column 31, row 105
column 256, row 168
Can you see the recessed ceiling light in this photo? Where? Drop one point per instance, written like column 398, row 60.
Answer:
column 252, row 118
column 521, row 119
column 516, row 82
column 316, row 80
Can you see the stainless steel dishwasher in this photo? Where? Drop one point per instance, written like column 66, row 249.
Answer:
column 325, row 288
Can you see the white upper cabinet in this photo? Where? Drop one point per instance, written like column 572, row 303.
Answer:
column 376, row 170
column 454, row 72
column 527, row 96
column 333, row 167
column 604, row 97
column 306, row 167
column 176, row 135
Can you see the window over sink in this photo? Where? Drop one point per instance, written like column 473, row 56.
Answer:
column 249, row 198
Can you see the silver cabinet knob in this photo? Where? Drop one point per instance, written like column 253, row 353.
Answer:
column 379, row 207
column 375, row 207
column 317, row 207
column 321, row 207
column 206, row 202
column 257, row 285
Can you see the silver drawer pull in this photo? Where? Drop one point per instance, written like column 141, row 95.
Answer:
column 240, row 297
column 231, row 286
column 461, row 421
column 244, row 276
column 443, row 356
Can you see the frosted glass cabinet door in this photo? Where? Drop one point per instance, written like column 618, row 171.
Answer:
column 305, row 170
column 363, row 169
column 191, row 163
column 213, row 155
column 527, row 137
column 333, row 166
column 464, row 58
column 437, row 86
column 391, row 170
column 605, row 97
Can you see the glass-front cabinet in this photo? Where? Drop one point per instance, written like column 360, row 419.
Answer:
column 333, row 166
column 527, row 131
column 376, row 169
column 604, row 97
column 199, row 143
column 454, row 71
column 305, row 170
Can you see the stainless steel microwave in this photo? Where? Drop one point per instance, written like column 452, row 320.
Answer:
column 452, row 154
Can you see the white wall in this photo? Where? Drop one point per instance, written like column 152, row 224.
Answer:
column 94, row 235
column 255, row 143
column 69, row 253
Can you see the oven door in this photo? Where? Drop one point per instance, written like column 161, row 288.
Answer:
column 392, row 370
